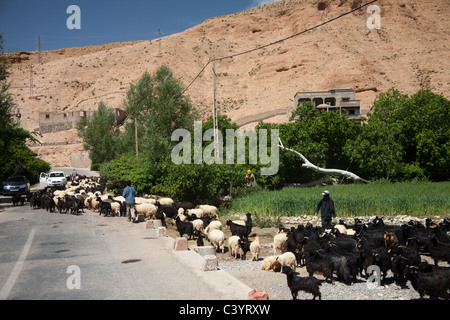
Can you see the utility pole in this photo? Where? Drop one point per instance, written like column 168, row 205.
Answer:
column 159, row 42
column 31, row 80
column 215, row 125
column 39, row 48
column 366, row 32
column 136, row 137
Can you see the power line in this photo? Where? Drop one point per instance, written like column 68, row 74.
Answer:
column 278, row 41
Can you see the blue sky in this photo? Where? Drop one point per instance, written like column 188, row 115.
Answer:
column 104, row 21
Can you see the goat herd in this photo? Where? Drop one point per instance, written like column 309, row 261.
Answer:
column 341, row 251
column 348, row 252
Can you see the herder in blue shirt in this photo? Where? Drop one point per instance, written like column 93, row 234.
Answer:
column 129, row 193
column 326, row 207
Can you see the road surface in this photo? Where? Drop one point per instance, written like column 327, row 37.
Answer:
column 56, row 256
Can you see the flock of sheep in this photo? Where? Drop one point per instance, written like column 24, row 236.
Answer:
column 339, row 250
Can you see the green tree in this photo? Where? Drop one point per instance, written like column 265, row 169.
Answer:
column 422, row 123
column 99, row 135
column 320, row 137
column 376, row 151
column 158, row 107
column 15, row 157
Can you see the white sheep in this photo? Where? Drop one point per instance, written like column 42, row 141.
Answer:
column 213, row 225
column 341, row 228
column 140, row 200
column 279, row 242
column 287, row 259
column 198, row 225
column 217, row 239
column 271, row 263
column 115, row 208
column 119, row 198
column 147, row 209
column 234, row 246
column 255, row 248
column 164, row 201
column 198, row 212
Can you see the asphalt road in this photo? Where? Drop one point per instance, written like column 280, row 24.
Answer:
column 56, row 256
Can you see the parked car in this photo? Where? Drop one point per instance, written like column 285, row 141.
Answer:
column 15, row 185
column 53, row 179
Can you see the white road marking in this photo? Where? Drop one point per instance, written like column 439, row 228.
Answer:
column 4, row 293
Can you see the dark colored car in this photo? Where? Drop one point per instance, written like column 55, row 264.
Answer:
column 15, row 185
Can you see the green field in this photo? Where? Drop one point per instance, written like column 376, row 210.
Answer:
column 418, row 199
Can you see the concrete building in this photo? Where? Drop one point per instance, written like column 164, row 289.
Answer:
column 59, row 121
column 342, row 100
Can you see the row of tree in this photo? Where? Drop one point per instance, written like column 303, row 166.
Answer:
column 404, row 138
column 15, row 157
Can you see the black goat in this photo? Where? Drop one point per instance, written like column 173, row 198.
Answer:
column 314, row 264
column 439, row 251
column 159, row 215
column 433, row 284
column 104, row 207
column 245, row 246
column 239, row 230
column 184, row 227
column 169, row 210
column 307, row 284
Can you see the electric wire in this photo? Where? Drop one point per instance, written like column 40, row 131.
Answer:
column 276, row 42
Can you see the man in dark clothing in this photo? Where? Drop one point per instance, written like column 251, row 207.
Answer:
column 129, row 193
column 326, row 207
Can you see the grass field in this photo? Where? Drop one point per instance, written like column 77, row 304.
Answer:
column 418, row 199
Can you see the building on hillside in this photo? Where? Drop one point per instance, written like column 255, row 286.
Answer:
column 59, row 121
column 342, row 100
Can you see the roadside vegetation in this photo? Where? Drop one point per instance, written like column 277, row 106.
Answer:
column 418, row 199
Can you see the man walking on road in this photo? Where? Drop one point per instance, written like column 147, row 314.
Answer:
column 129, row 193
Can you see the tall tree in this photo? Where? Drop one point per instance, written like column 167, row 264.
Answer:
column 99, row 135
column 158, row 107
column 15, row 156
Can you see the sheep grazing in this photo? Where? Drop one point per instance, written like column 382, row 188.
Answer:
column 209, row 211
column 214, row 225
column 233, row 246
column 147, row 209
column 197, row 212
column 307, row 284
column 198, row 226
column 255, row 248
column 217, row 239
column 238, row 247
column 279, row 242
column 287, row 259
column 271, row 263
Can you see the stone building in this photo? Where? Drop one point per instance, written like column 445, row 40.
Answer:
column 59, row 121
column 341, row 100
